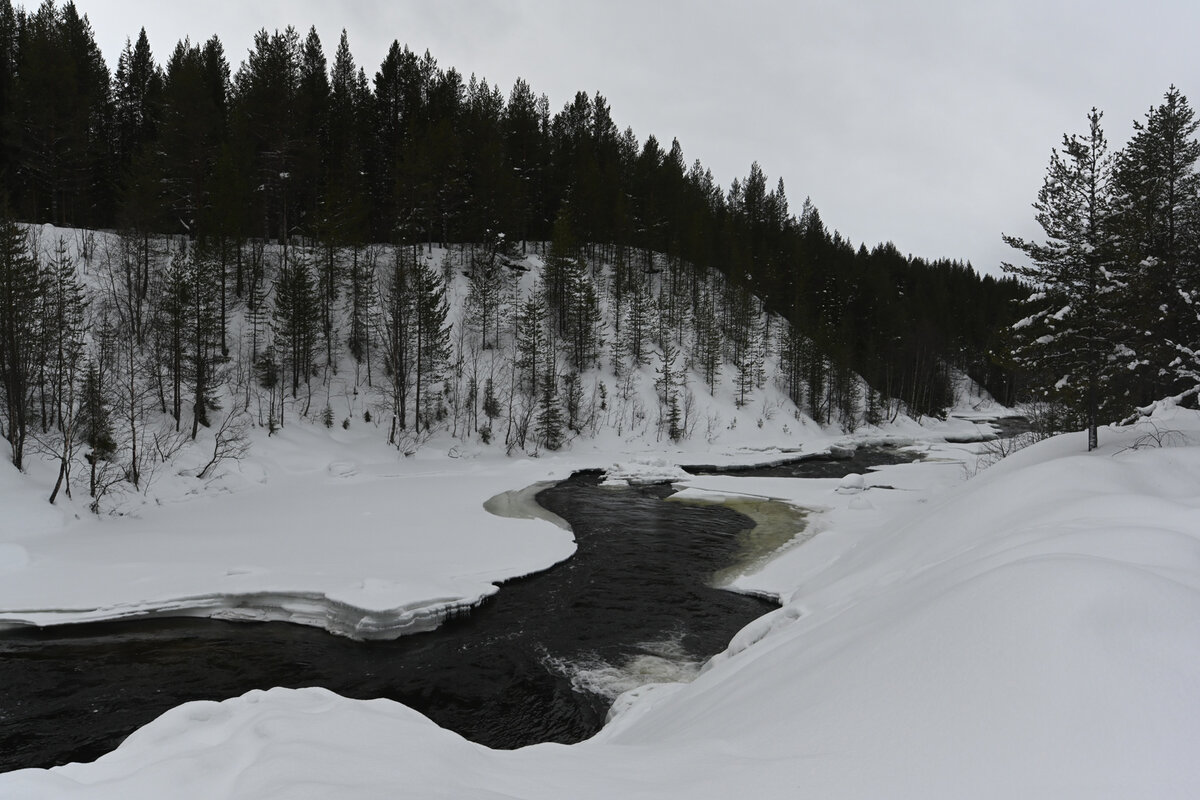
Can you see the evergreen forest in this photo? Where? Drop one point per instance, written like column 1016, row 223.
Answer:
column 188, row 230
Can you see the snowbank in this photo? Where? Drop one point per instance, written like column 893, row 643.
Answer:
column 302, row 533
column 1031, row 633
column 644, row 471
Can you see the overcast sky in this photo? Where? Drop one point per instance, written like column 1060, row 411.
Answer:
column 927, row 123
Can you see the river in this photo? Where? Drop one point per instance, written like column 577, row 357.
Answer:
column 541, row 661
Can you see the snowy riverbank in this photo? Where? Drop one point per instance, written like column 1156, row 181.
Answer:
column 319, row 527
column 1031, row 632
column 307, row 532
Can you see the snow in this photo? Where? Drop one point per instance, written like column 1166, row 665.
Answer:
column 851, row 484
column 1030, row 632
column 300, row 535
column 644, row 470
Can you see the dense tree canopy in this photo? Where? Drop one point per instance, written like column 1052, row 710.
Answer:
column 289, row 145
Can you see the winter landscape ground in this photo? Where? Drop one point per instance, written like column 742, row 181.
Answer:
column 1031, row 631
column 283, row 343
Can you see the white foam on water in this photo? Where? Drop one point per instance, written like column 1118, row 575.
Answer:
column 662, row 661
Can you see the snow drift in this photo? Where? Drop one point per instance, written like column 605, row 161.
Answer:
column 1033, row 632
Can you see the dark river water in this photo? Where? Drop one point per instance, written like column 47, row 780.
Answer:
column 540, row 661
column 837, row 464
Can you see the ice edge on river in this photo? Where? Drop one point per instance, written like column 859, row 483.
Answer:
column 315, row 609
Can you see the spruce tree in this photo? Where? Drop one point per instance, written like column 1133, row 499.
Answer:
column 485, row 286
column 64, row 329
column 396, row 322
column 1157, row 218
column 550, row 417
column 1066, row 341
column 296, row 319
column 137, row 97
column 431, row 332
column 206, row 333
column 582, row 331
column 362, row 300
column 744, row 338
column 791, row 361
column 637, row 326
column 669, row 375
column 706, row 344
column 94, row 425
column 266, row 123
column 172, row 304
column 491, row 403
column 190, row 144
column 59, row 130
column 531, row 341
column 530, row 345
column 21, row 293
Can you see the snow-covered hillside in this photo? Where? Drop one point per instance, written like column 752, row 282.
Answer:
column 476, row 349
column 1030, row 632
column 251, row 536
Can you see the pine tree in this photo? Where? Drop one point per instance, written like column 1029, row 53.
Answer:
column 669, row 382
column 582, row 331
column 432, row 336
column 531, row 341
column 64, row 329
column 344, row 210
column 637, row 325
column 706, row 345
column 59, row 127
column 1066, row 341
column 791, row 361
column 137, row 97
column 21, row 293
column 296, row 319
column 396, row 322
column 362, row 299
column 530, row 344
column 192, row 132
column 206, row 333
column 485, row 286
column 523, row 143
column 311, row 154
column 573, row 400
column 743, row 334
column 172, row 303
column 550, row 418
column 491, row 403
column 345, row 214
column 1157, row 211
column 94, row 425
column 669, row 376
column 266, row 123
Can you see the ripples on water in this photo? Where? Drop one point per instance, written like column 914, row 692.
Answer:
column 541, row 661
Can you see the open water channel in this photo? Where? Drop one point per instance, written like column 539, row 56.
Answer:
column 540, row 661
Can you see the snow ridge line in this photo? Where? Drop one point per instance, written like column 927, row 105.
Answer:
column 314, row 609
